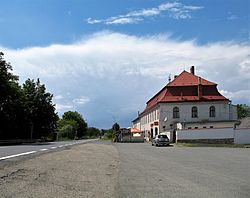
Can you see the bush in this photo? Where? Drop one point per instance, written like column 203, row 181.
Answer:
column 67, row 132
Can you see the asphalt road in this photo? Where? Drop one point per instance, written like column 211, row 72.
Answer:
column 148, row 171
column 120, row 170
column 7, row 152
column 84, row 170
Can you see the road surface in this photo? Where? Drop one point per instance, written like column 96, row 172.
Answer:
column 104, row 169
column 7, row 152
column 148, row 171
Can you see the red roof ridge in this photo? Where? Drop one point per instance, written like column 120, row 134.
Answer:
column 188, row 79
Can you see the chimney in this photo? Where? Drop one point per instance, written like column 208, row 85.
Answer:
column 199, row 88
column 192, row 70
column 138, row 113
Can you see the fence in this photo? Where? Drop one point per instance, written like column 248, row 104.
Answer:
column 242, row 136
column 216, row 135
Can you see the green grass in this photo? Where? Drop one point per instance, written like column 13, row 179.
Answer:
column 213, row 145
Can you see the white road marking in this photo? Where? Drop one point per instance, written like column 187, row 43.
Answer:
column 17, row 155
column 30, row 152
column 43, row 149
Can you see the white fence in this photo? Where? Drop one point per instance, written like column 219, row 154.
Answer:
column 242, row 136
column 239, row 136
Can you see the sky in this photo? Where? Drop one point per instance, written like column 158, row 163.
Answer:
column 106, row 59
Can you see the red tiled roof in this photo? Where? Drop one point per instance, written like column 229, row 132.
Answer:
column 188, row 79
column 184, row 89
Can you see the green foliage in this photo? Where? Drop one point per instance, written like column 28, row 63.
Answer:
column 39, row 108
column 67, row 132
column 93, row 132
column 74, row 119
column 27, row 111
column 109, row 133
column 66, row 129
column 116, row 127
column 243, row 111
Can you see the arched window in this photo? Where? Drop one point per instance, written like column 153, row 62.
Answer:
column 212, row 111
column 194, row 112
column 176, row 112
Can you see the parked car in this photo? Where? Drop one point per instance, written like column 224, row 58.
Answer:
column 160, row 140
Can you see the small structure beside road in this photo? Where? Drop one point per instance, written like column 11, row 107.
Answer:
column 130, row 135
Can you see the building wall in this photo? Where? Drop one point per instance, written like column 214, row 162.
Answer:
column 224, row 112
column 202, row 125
column 149, row 122
column 137, row 124
column 223, row 133
column 219, row 135
column 242, row 136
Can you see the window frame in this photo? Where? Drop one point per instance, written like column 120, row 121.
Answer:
column 176, row 112
column 194, row 112
column 212, row 112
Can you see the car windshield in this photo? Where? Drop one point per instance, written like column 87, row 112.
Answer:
column 162, row 136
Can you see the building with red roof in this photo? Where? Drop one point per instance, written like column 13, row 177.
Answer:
column 188, row 98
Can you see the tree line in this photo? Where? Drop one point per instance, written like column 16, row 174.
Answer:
column 27, row 111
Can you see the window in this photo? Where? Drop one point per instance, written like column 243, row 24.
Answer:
column 194, row 112
column 212, row 111
column 176, row 113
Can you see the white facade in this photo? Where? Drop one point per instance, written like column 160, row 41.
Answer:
column 186, row 99
column 150, row 123
column 224, row 111
column 161, row 119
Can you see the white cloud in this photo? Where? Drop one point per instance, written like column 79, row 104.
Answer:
column 82, row 100
column 124, row 20
column 62, row 107
column 175, row 10
column 58, row 97
column 242, row 95
column 117, row 71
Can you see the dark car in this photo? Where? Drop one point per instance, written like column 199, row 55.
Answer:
column 160, row 140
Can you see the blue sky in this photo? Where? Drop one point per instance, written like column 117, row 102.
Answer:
column 106, row 59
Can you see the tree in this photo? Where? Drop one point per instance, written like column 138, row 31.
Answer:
column 116, row 127
column 25, row 111
column 243, row 110
column 92, row 131
column 39, row 109
column 11, row 103
column 81, row 124
column 67, row 129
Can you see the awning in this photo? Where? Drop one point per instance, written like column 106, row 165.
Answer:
column 135, row 130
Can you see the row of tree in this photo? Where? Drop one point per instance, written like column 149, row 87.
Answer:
column 27, row 111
